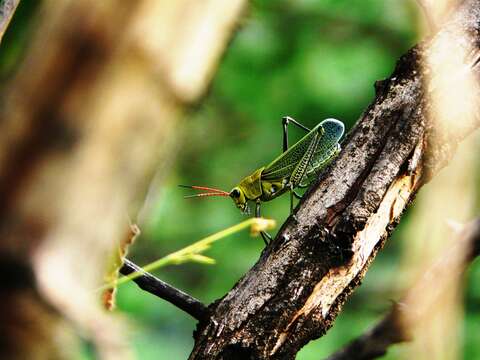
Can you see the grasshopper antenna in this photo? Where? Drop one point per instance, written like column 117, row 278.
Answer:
column 210, row 191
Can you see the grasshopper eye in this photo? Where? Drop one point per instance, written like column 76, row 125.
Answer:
column 235, row 193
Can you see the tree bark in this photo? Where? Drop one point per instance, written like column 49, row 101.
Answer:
column 298, row 286
column 440, row 277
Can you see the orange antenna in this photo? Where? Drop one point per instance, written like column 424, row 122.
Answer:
column 211, row 191
column 202, row 195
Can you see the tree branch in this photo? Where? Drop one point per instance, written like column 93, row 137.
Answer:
column 157, row 287
column 396, row 326
column 320, row 255
column 7, row 9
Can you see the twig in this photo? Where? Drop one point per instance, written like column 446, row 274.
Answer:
column 396, row 326
column 150, row 283
column 167, row 292
column 7, row 9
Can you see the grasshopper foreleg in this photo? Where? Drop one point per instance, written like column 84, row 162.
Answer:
column 265, row 236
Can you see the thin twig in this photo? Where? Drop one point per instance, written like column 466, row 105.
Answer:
column 167, row 292
column 396, row 326
column 7, row 9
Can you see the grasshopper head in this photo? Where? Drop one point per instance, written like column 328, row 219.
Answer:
column 239, row 198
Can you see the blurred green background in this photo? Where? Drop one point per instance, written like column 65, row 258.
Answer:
column 309, row 59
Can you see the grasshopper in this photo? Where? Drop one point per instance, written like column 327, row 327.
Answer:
column 296, row 167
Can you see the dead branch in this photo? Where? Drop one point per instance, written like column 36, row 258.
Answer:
column 297, row 288
column 165, row 291
column 397, row 325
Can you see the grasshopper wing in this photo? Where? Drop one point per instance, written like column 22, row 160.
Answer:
column 284, row 165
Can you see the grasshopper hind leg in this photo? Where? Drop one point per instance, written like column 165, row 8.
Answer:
column 301, row 169
column 285, row 121
column 265, row 236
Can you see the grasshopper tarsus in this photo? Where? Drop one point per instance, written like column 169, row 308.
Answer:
column 267, row 238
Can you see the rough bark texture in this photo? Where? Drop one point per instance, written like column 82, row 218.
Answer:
column 399, row 324
column 297, row 288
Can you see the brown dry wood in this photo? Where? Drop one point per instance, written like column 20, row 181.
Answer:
column 397, row 325
column 165, row 291
column 320, row 255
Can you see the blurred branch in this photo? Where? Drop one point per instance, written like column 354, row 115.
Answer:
column 428, row 16
column 321, row 254
column 157, row 287
column 78, row 155
column 7, row 9
column 397, row 326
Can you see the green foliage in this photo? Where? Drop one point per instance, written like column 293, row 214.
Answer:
column 310, row 59
column 307, row 59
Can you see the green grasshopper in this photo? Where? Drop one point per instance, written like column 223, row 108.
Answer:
column 295, row 168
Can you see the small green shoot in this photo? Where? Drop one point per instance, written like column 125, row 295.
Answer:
column 192, row 253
